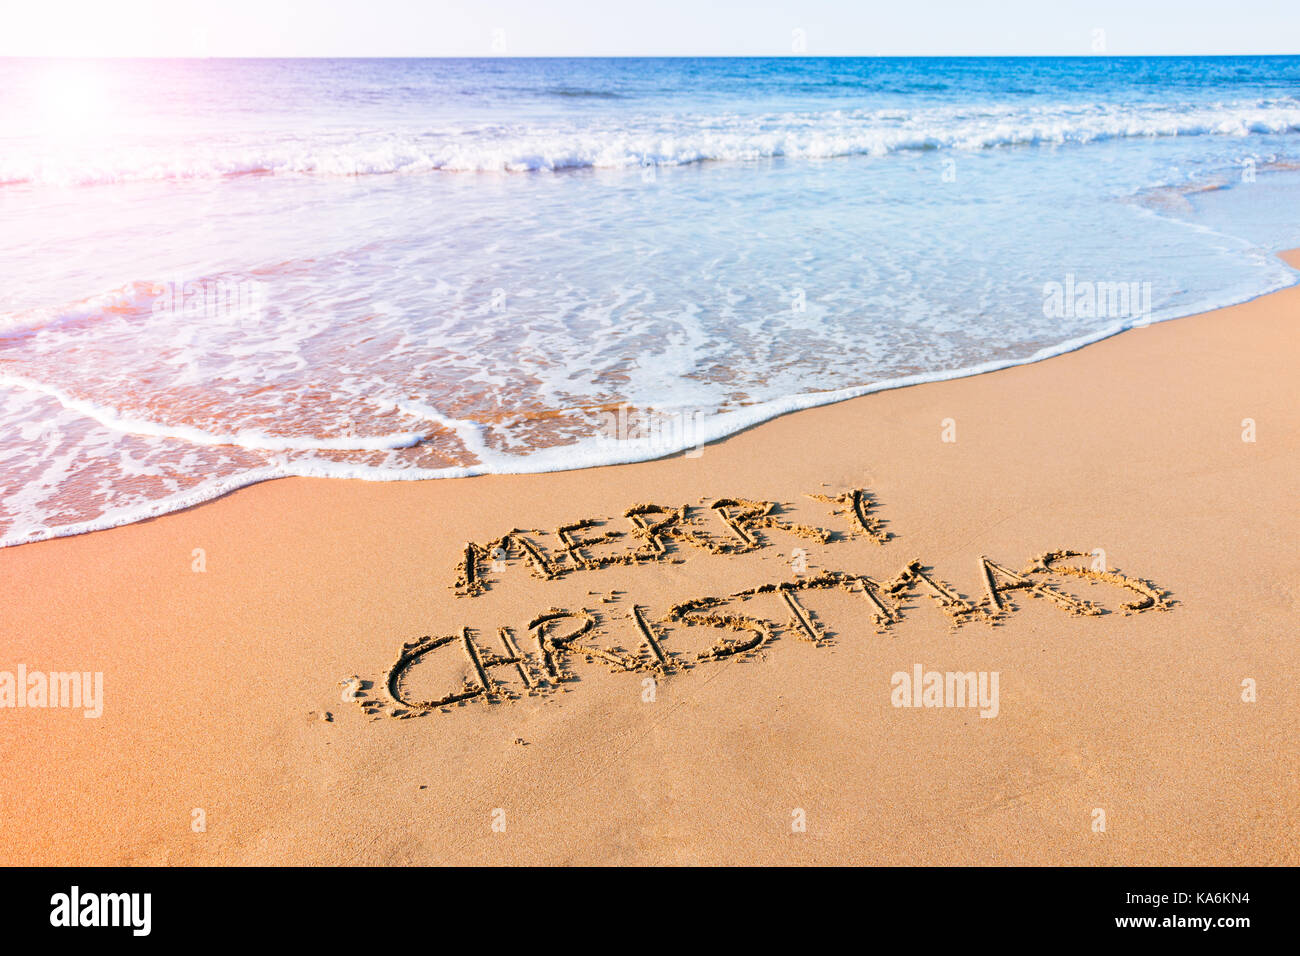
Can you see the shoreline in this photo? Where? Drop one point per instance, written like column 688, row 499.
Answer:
column 217, row 678
column 751, row 416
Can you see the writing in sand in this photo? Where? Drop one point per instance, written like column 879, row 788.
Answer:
column 509, row 664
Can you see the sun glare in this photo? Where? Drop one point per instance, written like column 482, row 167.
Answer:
column 71, row 99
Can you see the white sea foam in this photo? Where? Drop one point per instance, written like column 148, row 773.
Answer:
column 585, row 453
column 250, row 438
column 653, row 140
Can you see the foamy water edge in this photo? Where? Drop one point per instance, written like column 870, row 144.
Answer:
column 569, row 457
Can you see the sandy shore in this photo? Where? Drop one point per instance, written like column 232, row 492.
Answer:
column 214, row 747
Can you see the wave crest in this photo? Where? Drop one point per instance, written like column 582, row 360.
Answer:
column 656, row 141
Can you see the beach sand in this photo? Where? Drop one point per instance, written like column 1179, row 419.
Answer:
column 223, row 634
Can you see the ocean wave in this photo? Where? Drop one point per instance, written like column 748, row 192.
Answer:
column 252, row 439
column 590, row 452
column 121, row 301
column 658, row 141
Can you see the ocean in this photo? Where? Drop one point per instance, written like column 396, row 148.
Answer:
column 217, row 272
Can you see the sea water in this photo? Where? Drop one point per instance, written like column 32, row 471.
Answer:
column 216, row 272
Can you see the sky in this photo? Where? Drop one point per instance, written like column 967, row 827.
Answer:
column 647, row 28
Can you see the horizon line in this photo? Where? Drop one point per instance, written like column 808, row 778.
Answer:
column 646, row 56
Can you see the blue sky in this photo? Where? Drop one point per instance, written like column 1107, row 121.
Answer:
column 653, row 27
